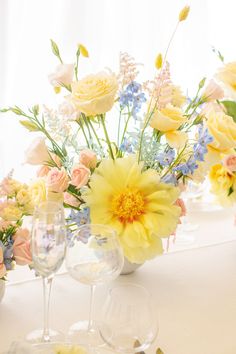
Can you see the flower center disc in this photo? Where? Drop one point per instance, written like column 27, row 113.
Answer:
column 128, row 205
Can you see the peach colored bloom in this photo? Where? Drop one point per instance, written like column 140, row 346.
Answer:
column 37, row 153
column 212, row 92
column 88, row 158
column 4, row 225
column 21, row 248
column 43, row 171
column 57, row 180
column 230, row 163
column 180, row 203
column 71, row 200
column 2, row 265
column 22, row 233
column 63, row 75
column 56, row 159
column 79, row 176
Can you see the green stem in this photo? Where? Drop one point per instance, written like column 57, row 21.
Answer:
column 89, row 132
column 95, row 134
column 125, row 128
column 83, row 131
column 106, row 136
column 118, row 137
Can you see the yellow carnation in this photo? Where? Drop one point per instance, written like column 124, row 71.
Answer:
column 227, row 75
column 223, row 184
column 223, row 129
column 135, row 203
column 38, row 191
column 95, row 94
column 23, row 196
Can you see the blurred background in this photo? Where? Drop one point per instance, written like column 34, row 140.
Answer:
column 140, row 27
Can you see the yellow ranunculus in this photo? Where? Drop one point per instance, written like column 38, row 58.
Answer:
column 135, row 203
column 95, row 94
column 168, row 119
column 38, row 191
column 176, row 139
column 223, row 129
column 23, row 196
column 227, row 75
column 223, row 184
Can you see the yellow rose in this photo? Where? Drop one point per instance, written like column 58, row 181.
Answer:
column 38, row 191
column 23, row 196
column 167, row 119
column 223, row 129
column 227, row 75
column 95, row 94
column 11, row 213
column 223, row 184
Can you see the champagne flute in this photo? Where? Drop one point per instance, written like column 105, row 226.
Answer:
column 94, row 256
column 48, row 245
column 129, row 321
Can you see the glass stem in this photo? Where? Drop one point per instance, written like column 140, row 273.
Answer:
column 91, row 305
column 47, row 285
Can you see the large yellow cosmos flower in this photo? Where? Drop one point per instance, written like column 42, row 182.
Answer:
column 135, row 204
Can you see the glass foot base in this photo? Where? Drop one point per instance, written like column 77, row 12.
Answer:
column 37, row 336
column 80, row 333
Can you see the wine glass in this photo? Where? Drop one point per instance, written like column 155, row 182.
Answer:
column 48, row 245
column 129, row 322
column 94, row 256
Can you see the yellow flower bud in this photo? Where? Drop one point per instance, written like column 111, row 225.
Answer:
column 158, row 61
column 83, row 51
column 57, row 89
column 184, row 13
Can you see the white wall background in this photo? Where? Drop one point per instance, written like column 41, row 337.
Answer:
column 106, row 27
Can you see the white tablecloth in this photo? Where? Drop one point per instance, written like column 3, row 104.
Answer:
column 194, row 292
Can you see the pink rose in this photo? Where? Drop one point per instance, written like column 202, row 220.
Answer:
column 4, row 225
column 43, row 171
column 2, row 265
column 213, row 92
column 21, row 248
column 63, row 75
column 88, row 158
column 230, row 163
column 57, row 180
column 79, row 176
column 37, row 153
column 71, row 200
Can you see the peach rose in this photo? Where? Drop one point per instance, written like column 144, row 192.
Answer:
column 4, row 225
column 37, row 153
column 88, row 158
column 21, row 247
column 212, row 92
column 43, row 171
column 63, row 75
column 79, row 176
column 71, row 200
column 57, row 180
column 2, row 265
column 230, row 163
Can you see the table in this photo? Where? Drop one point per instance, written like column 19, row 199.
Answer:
column 194, row 292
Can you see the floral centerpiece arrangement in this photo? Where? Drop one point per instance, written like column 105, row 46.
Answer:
column 126, row 171
column 15, row 203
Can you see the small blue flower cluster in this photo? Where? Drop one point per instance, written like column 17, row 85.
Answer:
column 80, row 218
column 7, row 254
column 166, row 158
column 126, row 146
column 132, row 97
column 199, row 151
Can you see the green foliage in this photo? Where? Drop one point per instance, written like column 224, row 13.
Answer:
column 230, row 108
column 32, row 127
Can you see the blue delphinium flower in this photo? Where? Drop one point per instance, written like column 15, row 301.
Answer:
column 200, row 148
column 126, row 146
column 166, row 158
column 132, row 97
column 80, row 218
column 187, row 168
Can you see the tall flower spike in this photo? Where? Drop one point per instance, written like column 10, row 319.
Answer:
column 184, row 13
column 158, row 61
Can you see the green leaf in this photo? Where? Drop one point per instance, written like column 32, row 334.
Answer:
column 202, row 83
column 32, row 127
column 231, row 190
column 230, row 108
column 55, row 50
column 35, row 109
